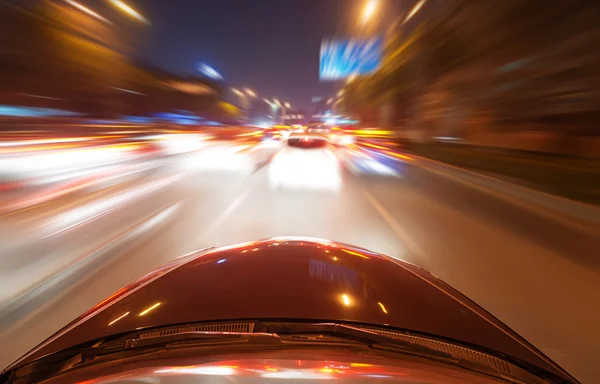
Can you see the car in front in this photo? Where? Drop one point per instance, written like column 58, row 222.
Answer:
column 316, row 126
column 306, row 162
column 286, row 309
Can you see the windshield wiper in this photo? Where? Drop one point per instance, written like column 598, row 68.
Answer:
column 364, row 337
column 200, row 337
column 275, row 335
column 286, row 333
column 511, row 370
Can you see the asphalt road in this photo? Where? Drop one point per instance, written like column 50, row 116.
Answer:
column 538, row 276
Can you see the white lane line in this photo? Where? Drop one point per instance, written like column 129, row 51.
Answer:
column 81, row 215
column 229, row 210
column 62, row 271
column 402, row 234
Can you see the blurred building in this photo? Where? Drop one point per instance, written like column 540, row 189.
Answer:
column 53, row 54
column 461, row 67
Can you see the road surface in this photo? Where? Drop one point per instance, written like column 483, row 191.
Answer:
column 539, row 277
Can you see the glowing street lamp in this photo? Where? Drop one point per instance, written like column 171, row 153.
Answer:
column 87, row 11
column 128, row 10
column 250, row 92
column 273, row 106
column 369, row 10
column 287, row 105
column 209, row 71
column 238, row 92
column 414, row 10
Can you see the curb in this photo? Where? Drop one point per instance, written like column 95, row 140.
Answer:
column 582, row 216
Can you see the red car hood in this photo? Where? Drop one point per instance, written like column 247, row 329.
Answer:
column 295, row 279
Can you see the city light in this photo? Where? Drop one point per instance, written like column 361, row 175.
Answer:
column 273, row 105
column 346, row 300
column 277, row 102
column 128, row 10
column 209, row 71
column 238, row 92
column 369, row 10
column 87, row 10
column 340, row 93
column 330, row 100
column 414, row 10
column 287, row 105
column 250, row 92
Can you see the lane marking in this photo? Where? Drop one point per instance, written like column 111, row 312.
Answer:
column 402, row 234
column 83, row 214
column 229, row 210
column 47, row 198
column 62, row 271
column 61, row 208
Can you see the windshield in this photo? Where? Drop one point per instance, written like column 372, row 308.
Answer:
column 458, row 136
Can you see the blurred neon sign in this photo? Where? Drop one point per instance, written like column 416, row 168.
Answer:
column 344, row 58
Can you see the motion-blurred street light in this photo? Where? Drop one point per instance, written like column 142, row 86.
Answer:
column 128, row 10
column 329, row 101
column 87, row 11
column 209, row 71
column 340, row 93
column 243, row 98
column 369, row 10
column 273, row 106
column 250, row 92
column 237, row 92
column 277, row 102
column 288, row 106
column 414, row 10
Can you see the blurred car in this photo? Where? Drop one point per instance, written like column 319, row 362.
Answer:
column 272, row 134
column 317, row 127
column 286, row 309
column 340, row 138
column 306, row 162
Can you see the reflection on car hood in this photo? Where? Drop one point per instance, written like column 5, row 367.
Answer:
column 311, row 365
column 292, row 278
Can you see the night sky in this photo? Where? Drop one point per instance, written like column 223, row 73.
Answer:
column 271, row 46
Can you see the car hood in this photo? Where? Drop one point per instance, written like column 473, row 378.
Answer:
column 295, row 279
